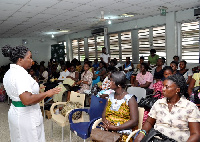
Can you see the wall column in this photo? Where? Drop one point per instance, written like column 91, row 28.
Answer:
column 171, row 36
column 135, row 46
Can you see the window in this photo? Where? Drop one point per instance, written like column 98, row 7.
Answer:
column 126, row 45
column 190, row 42
column 144, row 43
column 100, row 45
column 91, row 47
column 114, row 46
column 81, row 49
column 64, row 43
column 159, row 41
column 75, row 48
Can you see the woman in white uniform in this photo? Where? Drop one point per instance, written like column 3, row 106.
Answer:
column 24, row 116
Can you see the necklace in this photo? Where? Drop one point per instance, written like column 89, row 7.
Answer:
column 169, row 103
column 120, row 95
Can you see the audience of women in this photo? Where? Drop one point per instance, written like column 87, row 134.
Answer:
column 144, row 79
column 121, row 110
column 173, row 116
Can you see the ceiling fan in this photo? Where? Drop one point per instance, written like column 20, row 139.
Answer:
column 103, row 20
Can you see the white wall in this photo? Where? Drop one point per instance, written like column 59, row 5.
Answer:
column 41, row 51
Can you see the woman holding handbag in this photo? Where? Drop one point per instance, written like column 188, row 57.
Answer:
column 121, row 111
column 174, row 116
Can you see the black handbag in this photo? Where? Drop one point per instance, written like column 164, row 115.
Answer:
column 196, row 97
column 149, row 100
column 150, row 137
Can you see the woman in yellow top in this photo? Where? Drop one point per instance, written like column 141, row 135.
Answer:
column 121, row 111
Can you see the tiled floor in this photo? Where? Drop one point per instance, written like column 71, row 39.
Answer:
column 57, row 130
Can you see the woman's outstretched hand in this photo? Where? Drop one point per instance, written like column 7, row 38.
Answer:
column 53, row 91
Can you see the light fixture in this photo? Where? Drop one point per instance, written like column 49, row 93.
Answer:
column 24, row 41
column 109, row 22
column 127, row 15
column 163, row 10
column 52, row 36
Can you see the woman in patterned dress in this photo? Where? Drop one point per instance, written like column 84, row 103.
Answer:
column 86, row 78
column 121, row 111
column 174, row 115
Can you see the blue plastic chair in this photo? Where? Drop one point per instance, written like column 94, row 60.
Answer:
column 83, row 129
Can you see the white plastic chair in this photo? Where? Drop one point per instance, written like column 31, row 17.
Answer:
column 141, row 114
column 59, row 118
column 138, row 92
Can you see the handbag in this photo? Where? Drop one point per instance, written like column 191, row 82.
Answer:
column 104, row 136
column 195, row 97
column 156, row 136
column 149, row 100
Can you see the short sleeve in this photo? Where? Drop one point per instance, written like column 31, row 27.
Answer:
column 101, row 56
column 190, row 72
column 148, row 57
column 195, row 76
column 194, row 114
column 149, row 77
column 108, row 55
column 90, row 75
column 152, row 112
column 23, row 83
column 157, row 57
column 138, row 75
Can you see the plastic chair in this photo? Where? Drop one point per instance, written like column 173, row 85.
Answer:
column 141, row 114
column 83, row 129
column 138, row 92
column 59, row 118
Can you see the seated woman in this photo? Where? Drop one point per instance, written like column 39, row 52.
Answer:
column 187, row 73
column 174, row 66
column 128, row 68
column 86, row 78
column 157, row 72
column 100, row 74
column 158, row 87
column 195, row 82
column 74, row 75
column 178, row 119
column 144, row 79
column 121, row 110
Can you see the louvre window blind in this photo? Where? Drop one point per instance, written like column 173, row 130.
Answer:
column 159, row 41
column 114, row 46
column 100, row 45
column 75, row 48
column 144, row 43
column 126, row 45
column 81, row 49
column 190, row 42
column 91, row 46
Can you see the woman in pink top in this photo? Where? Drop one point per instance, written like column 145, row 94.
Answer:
column 144, row 79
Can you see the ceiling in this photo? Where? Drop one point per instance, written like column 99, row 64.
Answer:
column 41, row 18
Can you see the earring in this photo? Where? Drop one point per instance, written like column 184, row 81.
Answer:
column 119, row 86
